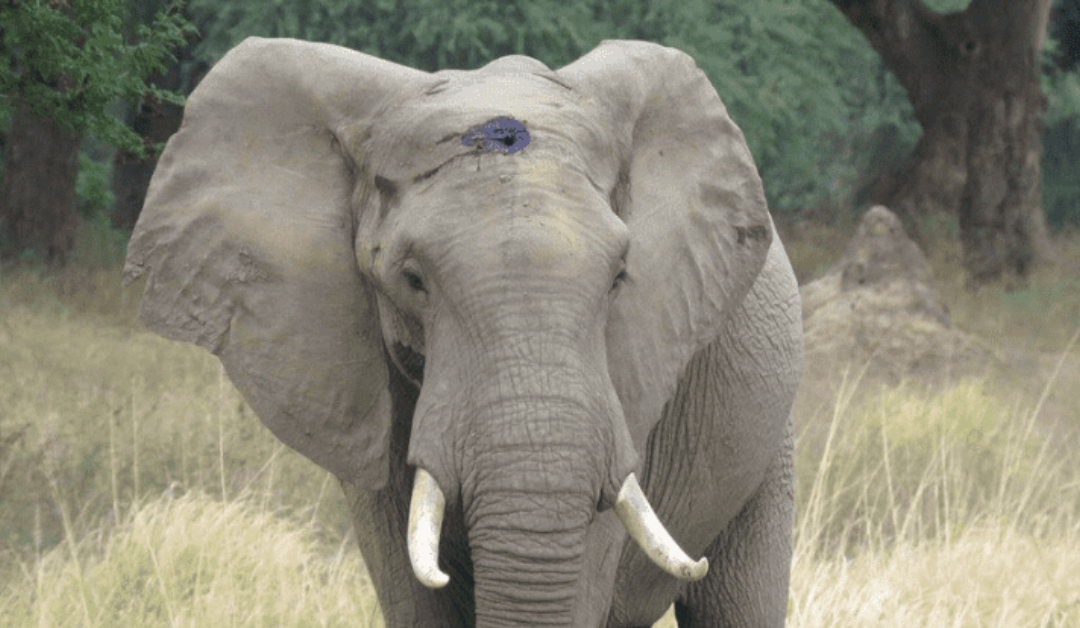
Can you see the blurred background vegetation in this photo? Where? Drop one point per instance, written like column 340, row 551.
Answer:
column 821, row 113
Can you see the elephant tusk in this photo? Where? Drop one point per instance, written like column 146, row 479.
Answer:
column 425, row 525
column 641, row 523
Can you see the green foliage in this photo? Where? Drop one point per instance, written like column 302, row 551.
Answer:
column 1063, row 91
column 947, row 6
column 69, row 61
column 778, row 99
column 1061, row 141
column 1062, row 88
column 425, row 34
column 807, row 118
column 92, row 186
column 1060, row 163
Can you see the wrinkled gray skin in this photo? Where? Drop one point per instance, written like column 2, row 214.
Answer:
column 528, row 326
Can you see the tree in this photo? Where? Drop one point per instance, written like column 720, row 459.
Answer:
column 155, row 120
column 972, row 77
column 61, row 64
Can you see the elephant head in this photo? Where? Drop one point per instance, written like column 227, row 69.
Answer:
column 538, row 253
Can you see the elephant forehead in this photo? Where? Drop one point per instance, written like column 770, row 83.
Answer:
column 478, row 90
column 413, row 140
column 548, row 208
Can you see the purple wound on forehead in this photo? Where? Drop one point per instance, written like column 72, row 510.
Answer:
column 502, row 135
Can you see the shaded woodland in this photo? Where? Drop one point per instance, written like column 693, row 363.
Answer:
column 971, row 109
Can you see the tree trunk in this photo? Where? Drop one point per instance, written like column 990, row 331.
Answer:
column 155, row 121
column 37, row 193
column 972, row 78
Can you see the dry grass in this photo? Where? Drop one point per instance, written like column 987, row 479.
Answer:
column 985, row 578
column 948, row 509
column 194, row 561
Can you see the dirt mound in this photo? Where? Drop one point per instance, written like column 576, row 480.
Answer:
column 879, row 306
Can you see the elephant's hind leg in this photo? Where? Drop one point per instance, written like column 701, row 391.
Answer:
column 749, row 563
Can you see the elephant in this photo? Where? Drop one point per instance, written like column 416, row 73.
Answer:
column 522, row 315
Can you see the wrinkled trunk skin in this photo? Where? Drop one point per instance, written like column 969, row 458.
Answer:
column 37, row 190
column 528, row 446
column 527, row 563
column 519, row 423
column 528, row 513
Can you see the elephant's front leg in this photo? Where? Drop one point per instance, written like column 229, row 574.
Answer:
column 749, row 563
column 381, row 519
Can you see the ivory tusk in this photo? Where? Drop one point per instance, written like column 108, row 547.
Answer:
column 642, row 524
column 425, row 525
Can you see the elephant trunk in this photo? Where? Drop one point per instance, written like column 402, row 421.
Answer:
column 533, row 472
column 523, row 577
column 632, row 508
column 527, row 527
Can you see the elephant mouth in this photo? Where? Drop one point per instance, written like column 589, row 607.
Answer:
column 411, row 363
column 633, row 509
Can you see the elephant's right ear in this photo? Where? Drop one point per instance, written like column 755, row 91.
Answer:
column 691, row 196
column 247, row 241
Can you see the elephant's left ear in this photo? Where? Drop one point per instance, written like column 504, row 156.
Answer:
column 246, row 239
column 694, row 203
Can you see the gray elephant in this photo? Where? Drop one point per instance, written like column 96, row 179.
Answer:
column 523, row 315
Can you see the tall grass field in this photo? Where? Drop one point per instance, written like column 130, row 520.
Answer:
column 138, row 489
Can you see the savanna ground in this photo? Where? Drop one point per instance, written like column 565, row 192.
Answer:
column 137, row 489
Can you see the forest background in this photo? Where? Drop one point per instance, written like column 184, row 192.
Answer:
column 136, row 487
column 823, row 116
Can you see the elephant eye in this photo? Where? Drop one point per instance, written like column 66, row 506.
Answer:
column 414, row 280
column 619, row 279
